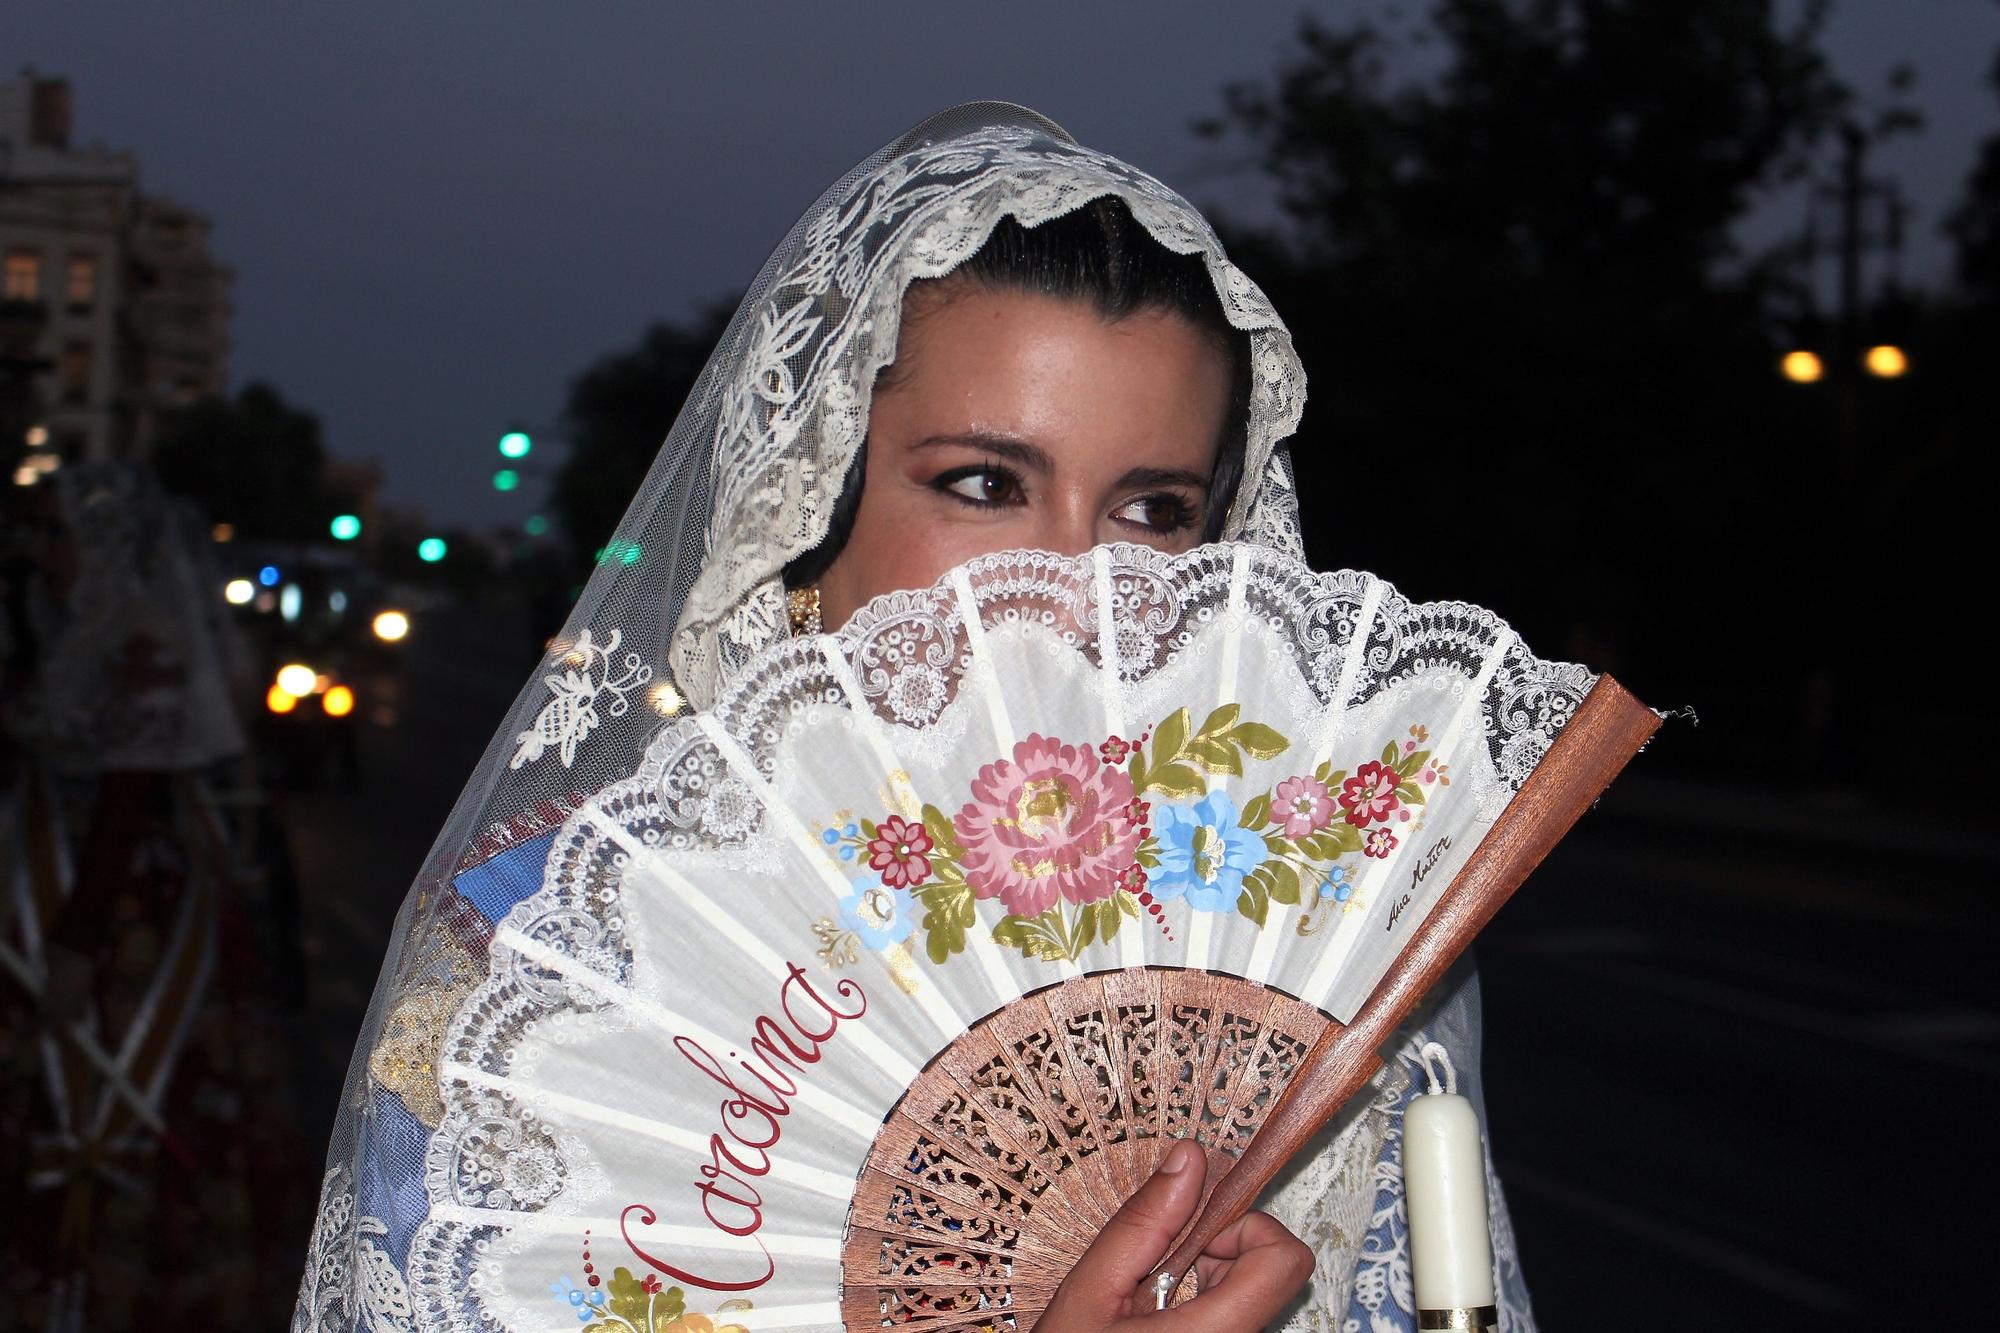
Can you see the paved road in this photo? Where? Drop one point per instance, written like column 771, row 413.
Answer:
column 1740, row 1078
column 1740, row 1054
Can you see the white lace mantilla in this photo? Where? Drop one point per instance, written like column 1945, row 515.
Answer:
column 351, row 1282
column 795, row 408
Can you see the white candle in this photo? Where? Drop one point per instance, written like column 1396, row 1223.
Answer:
column 1444, row 1181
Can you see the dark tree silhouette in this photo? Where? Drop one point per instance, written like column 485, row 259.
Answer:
column 619, row 411
column 1542, row 371
column 255, row 462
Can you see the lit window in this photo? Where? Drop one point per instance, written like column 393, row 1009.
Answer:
column 24, row 276
column 81, row 284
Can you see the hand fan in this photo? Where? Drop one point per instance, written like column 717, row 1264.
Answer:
column 878, row 987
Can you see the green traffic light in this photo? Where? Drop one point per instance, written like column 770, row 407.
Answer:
column 515, row 444
column 430, row 550
column 345, row 527
column 506, row 479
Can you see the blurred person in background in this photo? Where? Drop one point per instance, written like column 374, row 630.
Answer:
column 145, row 1130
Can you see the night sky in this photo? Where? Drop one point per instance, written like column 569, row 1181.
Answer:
column 439, row 214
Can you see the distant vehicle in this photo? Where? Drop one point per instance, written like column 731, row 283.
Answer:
column 328, row 640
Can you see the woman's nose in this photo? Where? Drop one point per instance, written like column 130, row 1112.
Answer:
column 1068, row 529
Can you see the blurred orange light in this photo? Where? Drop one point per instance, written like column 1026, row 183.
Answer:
column 279, row 700
column 1802, row 367
column 338, row 701
column 1886, row 361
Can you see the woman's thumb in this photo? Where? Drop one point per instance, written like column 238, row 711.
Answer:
column 1139, row 1235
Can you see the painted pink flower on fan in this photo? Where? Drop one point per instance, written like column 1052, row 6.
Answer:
column 1370, row 794
column 1302, row 805
column 901, row 850
column 1052, row 822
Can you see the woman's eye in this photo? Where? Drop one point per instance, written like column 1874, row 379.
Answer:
column 982, row 486
column 1165, row 512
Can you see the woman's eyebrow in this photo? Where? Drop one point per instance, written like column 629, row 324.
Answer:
column 1141, row 478
column 1030, row 456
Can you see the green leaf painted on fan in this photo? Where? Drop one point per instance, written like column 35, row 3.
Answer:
column 944, row 837
column 1148, row 855
column 628, row 1296
column 1260, row 741
column 1128, row 902
column 1284, row 882
column 1138, row 770
column 1412, row 764
column 1274, row 842
column 1255, row 900
column 1411, row 793
column 1213, row 755
column 1256, row 811
column 1170, row 736
column 1108, row 919
column 949, row 912
column 1389, row 753
column 1177, row 781
column 1044, row 936
column 1221, row 719
column 1086, row 928
column 868, row 829
column 1332, row 842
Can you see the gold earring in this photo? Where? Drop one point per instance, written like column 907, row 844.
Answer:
column 803, row 604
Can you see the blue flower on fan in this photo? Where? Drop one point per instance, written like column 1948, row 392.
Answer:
column 880, row 915
column 586, row 1305
column 1338, row 887
column 1204, row 853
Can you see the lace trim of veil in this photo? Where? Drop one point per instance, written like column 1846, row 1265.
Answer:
column 796, row 407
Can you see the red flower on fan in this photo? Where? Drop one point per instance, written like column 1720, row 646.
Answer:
column 1370, row 794
column 1380, row 843
column 900, row 849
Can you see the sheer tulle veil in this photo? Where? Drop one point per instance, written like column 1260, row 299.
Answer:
column 687, row 590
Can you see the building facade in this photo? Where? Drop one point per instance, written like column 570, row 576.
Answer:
column 111, row 306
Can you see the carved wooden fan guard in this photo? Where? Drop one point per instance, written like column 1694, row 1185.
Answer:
column 998, row 1167
column 1025, row 1135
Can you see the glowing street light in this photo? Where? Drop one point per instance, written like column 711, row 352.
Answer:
column 1802, row 367
column 238, row 592
column 338, row 701
column 297, row 679
column 431, row 550
column 535, row 525
column 345, row 527
column 515, row 444
column 391, row 626
column 506, row 479
column 1886, row 361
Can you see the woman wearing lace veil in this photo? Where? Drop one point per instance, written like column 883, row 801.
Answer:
column 763, row 514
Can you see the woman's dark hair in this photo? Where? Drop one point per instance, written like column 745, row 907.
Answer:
column 1099, row 254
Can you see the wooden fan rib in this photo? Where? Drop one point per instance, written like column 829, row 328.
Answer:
column 980, row 1067
column 1081, row 1016
column 1034, row 1048
column 940, row 1109
column 1604, row 733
